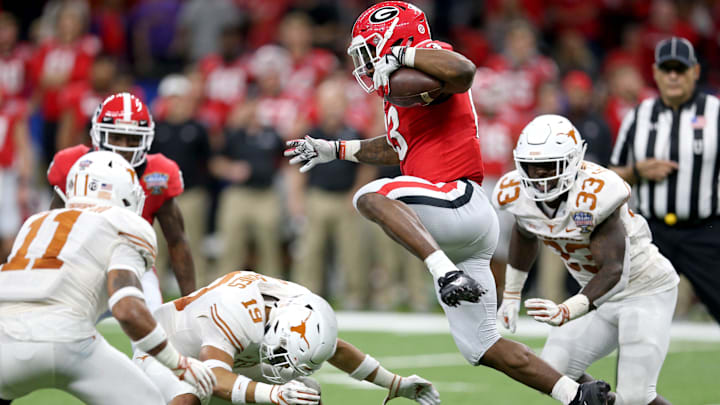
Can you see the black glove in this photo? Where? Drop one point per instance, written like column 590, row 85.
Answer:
column 456, row 286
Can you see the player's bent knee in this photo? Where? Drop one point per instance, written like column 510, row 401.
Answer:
column 367, row 205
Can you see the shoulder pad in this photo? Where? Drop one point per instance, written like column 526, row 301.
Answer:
column 240, row 315
column 135, row 231
column 507, row 190
column 599, row 192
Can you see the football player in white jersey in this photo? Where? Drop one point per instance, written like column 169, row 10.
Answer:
column 67, row 267
column 629, row 289
column 263, row 338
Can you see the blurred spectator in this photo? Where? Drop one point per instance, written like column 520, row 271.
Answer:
column 630, row 51
column 225, row 77
column 79, row 100
column 16, row 170
column 572, row 53
column 152, row 25
column 108, row 22
column 249, row 163
column 14, row 59
column 323, row 198
column 581, row 16
column 579, row 91
column 62, row 60
column 264, row 17
column 202, row 21
column 626, row 88
column 521, row 67
column 309, row 66
column 181, row 138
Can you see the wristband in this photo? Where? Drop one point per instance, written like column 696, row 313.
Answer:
column 169, row 357
column 365, row 368
column 409, row 58
column 514, row 281
column 577, row 306
column 263, row 392
column 239, row 390
column 128, row 291
column 152, row 340
column 385, row 378
column 213, row 363
column 346, row 150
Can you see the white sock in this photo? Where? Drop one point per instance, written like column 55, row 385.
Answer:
column 439, row 264
column 564, row 390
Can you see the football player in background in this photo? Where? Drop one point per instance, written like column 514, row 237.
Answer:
column 263, row 337
column 437, row 209
column 66, row 268
column 629, row 289
column 123, row 124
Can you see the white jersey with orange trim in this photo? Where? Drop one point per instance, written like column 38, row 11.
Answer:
column 595, row 195
column 228, row 314
column 54, row 285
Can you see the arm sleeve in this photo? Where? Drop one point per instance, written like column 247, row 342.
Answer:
column 124, row 257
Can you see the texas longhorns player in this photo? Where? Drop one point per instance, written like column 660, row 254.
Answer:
column 437, row 209
column 580, row 210
column 263, row 337
column 67, row 267
column 123, row 124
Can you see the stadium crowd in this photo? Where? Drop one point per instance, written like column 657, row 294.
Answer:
column 229, row 81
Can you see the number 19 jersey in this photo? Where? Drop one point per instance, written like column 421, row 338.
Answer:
column 54, row 285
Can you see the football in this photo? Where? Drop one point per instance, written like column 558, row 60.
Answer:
column 410, row 87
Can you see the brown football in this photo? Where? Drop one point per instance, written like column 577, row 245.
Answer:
column 409, row 87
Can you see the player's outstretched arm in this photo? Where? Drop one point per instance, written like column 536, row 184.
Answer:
column 127, row 304
column 362, row 366
column 242, row 390
column 609, row 247
column 173, row 227
column 522, row 254
column 311, row 152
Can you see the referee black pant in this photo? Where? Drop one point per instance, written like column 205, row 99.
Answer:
column 694, row 251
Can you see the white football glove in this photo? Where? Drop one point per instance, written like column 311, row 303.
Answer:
column 383, row 69
column 547, row 311
column 508, row 312
column 197, row 374
column 294, row 393
column 311, row 151
column 416, row 388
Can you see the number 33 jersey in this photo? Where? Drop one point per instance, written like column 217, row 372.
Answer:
column 54, row 284
column 595, row 195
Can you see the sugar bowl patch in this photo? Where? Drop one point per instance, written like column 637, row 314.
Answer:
column 583, row 220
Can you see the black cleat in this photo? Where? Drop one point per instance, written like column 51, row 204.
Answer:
column 592, row 393
column 456, row 286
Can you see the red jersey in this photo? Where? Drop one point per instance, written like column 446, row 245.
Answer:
column 498, row 135
column 14, row 67
column 308, row 72
column 161, row 180
column 439, row 142
column 519, row 84
column 81, row 101
column 53, row 58
column 10, row 113
column 225, row 87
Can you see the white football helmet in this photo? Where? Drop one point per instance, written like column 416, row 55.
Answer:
column 296, row 343
column 104, row 178
column 549, row 138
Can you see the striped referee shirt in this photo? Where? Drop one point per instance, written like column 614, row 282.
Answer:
column 688, row 136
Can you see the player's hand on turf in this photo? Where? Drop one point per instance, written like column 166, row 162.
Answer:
column 311, row 151
column 547, row 311
column 383, row 69
column 197, row 374
column 508, row 312
column 294, row 393
column 416, row 388
column 456, row 286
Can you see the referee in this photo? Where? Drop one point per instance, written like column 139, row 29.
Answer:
column 667, row 148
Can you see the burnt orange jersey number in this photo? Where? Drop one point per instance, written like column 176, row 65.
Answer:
column 505, row 197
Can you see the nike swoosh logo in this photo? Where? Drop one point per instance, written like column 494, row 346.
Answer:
column 570, row 229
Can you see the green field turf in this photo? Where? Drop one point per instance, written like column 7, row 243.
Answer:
column 690, row 376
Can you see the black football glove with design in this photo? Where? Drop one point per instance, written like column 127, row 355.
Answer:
column 456, row 286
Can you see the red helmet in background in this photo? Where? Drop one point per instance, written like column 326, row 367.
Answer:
column 384, row 25
column 123, row 114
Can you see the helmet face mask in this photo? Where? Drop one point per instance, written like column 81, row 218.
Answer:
column 297, row 342
column 125, row 115
column 548, row 155
column 106, row 179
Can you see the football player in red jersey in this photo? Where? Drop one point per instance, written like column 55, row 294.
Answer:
column 437, row 209
column 123, row 124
